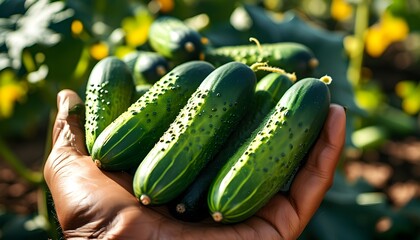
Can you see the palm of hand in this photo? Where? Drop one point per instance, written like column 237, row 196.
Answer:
column 93, row 203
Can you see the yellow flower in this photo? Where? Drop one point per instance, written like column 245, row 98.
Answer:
column 394, row 28
column 379, row 36
column 166, row 5
column 409, row 91
column 411, row 105
column 99, row 50
column 11, row 91
column 137, row 27
column 376, row 42
column 341, row 10
column 76, row 27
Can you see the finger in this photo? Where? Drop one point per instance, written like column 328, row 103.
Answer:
column 68, row 128
column 294, row 211
column 316, row 176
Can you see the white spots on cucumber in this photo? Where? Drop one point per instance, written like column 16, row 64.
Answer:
column 97, row 104
column 154, row 96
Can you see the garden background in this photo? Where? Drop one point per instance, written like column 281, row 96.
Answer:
column 371, row 48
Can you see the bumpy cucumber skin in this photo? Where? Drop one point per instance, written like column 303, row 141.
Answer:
column 191, row 205
column 276, row 84
column 173, row 39
column 127, row 140
column 109, row 91
column 140, row 91
column 146, row 67
column 196, row 135
column 258, row 170
column 291, row 57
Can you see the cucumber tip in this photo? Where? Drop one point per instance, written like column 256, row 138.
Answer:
column 326, row 79
column 217, row 216
column 144, row 199
column 161, row 70
column 313, row 63
column 97, row 163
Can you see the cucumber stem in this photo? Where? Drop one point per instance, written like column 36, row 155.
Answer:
column 145, row 200
column 263, row 66
column 161, row 70
column 97, row 163
column 189, row 46
column 217, row 216
column 180, row 208
column 252, row 39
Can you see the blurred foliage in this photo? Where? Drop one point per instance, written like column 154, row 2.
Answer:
column 48, row 45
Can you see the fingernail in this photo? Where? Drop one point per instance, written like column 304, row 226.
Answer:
column 68, row 103
column 345, row 109
column 62, row 103
column 77, row 109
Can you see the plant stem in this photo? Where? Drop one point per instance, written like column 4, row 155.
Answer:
column 10, row 158
column 361, row 25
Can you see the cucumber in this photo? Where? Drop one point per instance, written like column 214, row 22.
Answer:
column 292, row 57
column 146, row 67
column 270, row 157
column 127, row 140
column 109, row 91
column 196, row 135
column 140, row 91
column 173, row 39
column 191, row 205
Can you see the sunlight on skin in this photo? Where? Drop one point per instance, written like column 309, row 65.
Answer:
column 93, row 203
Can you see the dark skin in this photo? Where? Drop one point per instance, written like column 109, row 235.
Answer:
column 92, row 203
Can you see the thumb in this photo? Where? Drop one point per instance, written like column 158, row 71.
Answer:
column 68, row 131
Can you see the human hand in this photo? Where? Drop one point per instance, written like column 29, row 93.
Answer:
column 91, row 203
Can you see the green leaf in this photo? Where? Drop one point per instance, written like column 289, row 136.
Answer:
column 25, row 227
column 409, row 10
column 11, row 7
column 33, row 27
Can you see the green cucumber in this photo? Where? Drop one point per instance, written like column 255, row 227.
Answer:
column 292, row 57
column 141, row 90
column 271, row 156
column 172, row 38
column 109, row 91
column 196, row 135
column 128, row 139
column 146, row 67
column 191, row 205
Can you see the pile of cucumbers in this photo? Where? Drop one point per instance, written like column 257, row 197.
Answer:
column 206, row 131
